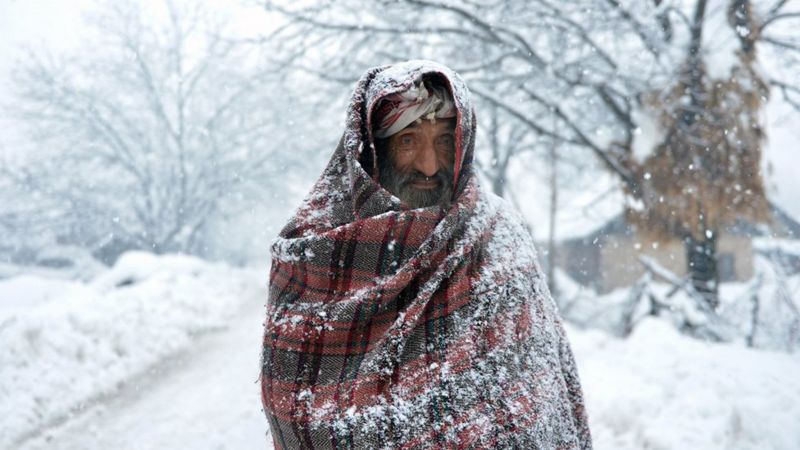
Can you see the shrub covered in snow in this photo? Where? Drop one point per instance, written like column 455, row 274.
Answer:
column 763, row 312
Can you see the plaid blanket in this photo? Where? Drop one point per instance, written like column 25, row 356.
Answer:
column 411, row 329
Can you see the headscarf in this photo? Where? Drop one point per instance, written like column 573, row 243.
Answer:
column 399, row 110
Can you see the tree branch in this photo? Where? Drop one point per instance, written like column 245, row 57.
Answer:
column 786, row 90
column 638, row 28
column 777, row 17
column 610, row 162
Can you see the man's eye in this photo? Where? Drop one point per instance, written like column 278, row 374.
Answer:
column 406, row 140
column 444, row 141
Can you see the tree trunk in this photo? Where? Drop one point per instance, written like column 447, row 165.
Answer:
column 701, row 256
column 498, row 184
column 551, row 237
column 498, row 169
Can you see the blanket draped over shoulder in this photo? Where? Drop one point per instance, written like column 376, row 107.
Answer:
column 389, row 327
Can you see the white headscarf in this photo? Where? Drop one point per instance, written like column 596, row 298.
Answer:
column 397, row 111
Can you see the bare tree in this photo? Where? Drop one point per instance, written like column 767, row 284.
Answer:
column 506, row 139
column 595, row 66
column 139, row 141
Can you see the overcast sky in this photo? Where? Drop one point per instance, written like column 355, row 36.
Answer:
column 58, row 24
column 50, row 22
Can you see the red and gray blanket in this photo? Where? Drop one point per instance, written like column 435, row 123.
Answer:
column 397, row 328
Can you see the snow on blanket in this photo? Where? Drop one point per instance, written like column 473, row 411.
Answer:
column 77, row 341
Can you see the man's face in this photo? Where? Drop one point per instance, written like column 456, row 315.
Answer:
column 419, row 167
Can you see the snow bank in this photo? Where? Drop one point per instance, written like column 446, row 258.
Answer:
column 63, row 351
column 661, row 390
column 770, row 244
column 66, row 344
column 23, row 292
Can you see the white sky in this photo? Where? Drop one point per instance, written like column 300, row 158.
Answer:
column 35, row 22
column 57, row 24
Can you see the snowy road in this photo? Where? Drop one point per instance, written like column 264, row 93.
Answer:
column 207, row 398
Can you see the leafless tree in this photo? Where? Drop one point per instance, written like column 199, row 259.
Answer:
column 596, row 67
column 140, row 139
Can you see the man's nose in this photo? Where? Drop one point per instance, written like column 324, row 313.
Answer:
column 427, row 162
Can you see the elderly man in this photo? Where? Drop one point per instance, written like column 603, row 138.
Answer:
column 415, row 152
column 406, row 306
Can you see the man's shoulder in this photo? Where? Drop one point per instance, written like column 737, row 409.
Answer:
column 500, row 207
column 509, row 231
column 495, row 200
column 509, row 244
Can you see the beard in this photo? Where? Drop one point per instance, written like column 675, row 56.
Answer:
column 401, row 185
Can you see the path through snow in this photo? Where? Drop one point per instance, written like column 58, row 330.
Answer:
column 206, row 398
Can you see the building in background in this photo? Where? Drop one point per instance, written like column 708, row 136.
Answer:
column 608, row 258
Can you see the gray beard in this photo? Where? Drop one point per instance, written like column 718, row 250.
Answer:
column 400, row 185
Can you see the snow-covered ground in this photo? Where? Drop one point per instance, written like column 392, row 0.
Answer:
column 661, row 390
column 77, row 344
column 205, row 397
column 162, row 352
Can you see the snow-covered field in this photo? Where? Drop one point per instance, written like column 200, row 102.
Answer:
column 162, row 352
column 76, row 344
column 661, row 390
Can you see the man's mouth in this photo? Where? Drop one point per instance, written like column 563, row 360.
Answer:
column 425, row 184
